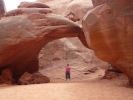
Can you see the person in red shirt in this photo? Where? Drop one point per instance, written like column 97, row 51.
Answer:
column 68, row 69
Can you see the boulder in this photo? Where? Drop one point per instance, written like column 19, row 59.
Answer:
column 32, row 5
column 108, row 30
column 6, row 76
column 35, row 78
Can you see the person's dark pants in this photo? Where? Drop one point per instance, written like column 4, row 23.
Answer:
column 67, row 75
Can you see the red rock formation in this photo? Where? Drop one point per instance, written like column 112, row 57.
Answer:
column 25, row 35
column 32, row 5
column 76, row 9
column 72, row 9
column 109, row 32
column 21, row 11
column 2, row 8
column 35, row 78
column 6, row 76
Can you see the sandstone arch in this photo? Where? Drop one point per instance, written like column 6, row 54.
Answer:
column 25, row 35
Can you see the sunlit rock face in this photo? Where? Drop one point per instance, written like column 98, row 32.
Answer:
column 22, row 36
column 2, row 8
column 76, row 9
column 109, row 32
column 73, row 9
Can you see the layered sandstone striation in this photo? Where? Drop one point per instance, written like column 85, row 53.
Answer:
column 109, row 32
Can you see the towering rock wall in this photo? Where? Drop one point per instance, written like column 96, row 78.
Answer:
column 109, row 32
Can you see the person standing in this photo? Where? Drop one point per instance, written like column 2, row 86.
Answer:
column 68, row 74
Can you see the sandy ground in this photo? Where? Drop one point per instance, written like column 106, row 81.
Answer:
column 58, row 75
column 95, row 90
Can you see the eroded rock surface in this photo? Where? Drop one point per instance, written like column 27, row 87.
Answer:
column 6, row 76
column 109, row 32
column 35, row 78
column 72, row 9
column 26, row 34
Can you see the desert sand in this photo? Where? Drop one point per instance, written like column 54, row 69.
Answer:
column 93, row 90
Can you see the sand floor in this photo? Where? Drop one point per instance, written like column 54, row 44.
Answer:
column 67, row 91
